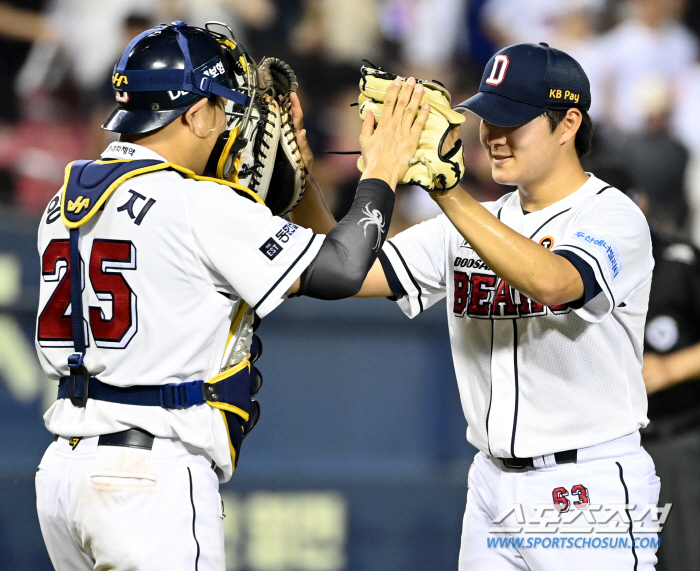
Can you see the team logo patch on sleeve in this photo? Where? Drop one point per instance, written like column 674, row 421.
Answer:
column 271, row 249
column 547, row 242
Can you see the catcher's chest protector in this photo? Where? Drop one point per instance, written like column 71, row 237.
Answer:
column 88, row 185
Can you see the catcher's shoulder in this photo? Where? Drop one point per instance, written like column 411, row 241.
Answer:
column 218, row 190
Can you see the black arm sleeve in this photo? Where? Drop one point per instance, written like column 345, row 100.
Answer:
column 350, row 249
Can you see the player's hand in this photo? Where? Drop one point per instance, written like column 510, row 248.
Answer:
column 656, row 373
column 300, row 132
column 387, row 149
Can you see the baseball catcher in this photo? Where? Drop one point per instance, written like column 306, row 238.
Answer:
column 157, row 264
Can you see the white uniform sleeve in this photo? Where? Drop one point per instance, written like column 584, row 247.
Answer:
column 417, row 256
column 612, row 236
column 258, row 254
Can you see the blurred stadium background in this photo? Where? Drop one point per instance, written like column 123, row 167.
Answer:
column 360, row 460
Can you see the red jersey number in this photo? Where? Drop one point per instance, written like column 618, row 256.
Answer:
column 112, row 326
column 54, row 325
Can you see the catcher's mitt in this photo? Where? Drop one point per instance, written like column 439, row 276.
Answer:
column 429, row 168
column 271, row 163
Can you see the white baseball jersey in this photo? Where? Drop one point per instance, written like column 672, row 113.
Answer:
column 166, row 264
column 536, row 380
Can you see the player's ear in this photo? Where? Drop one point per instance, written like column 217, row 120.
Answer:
column 189, row 117
column 569, row 125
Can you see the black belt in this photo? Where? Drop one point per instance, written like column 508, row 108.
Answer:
column 131, row 438
column 565, row 457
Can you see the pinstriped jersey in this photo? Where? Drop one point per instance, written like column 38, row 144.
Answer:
column 537, row 380
column 166, row 264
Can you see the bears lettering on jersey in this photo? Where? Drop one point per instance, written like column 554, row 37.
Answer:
column 477, row 264
column 486, row 296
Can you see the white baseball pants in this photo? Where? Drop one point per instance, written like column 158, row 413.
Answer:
column 126, row 509
column 611, row 475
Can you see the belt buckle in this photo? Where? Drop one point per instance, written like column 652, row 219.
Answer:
column 517, row 463
column 77, row 373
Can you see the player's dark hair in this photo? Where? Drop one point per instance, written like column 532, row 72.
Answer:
column 584, row 135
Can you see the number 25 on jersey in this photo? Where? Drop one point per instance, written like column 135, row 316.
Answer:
column 110, row 329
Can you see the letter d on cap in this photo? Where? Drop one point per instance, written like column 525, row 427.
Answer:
column 498, row 71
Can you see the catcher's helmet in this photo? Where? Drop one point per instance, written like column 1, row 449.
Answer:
column 169, row 68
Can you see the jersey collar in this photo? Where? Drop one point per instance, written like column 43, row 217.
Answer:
column 130, row 151
column 589, row 188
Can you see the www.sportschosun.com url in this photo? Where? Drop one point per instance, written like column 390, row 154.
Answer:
column 573, row 542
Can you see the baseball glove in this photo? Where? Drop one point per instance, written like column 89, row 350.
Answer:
column 429, row 168
column 271, row 163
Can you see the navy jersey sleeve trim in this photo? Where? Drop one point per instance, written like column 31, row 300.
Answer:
column 392, row 279
column 410, row 275
column 602, row 275
column 591, row 288
column 604, row 189
column 284, row 275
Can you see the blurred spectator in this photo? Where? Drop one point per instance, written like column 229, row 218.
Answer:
column 656, row 160
column 343, row 30
column 426, row 30
column 21, row 23
column 324, row 41
column 509, row 23
column 649, row 48
column 672, row 376
column 477, row 45
column 240, row 15
column 37, row 153
column 90, row 37
column 692, row 17
column 686, row 125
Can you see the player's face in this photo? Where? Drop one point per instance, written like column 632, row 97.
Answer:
column 520, row 155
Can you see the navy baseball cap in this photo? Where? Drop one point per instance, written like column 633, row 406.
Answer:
column 524, row 80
